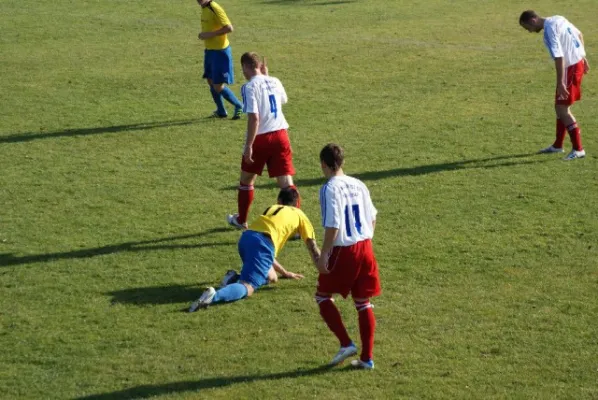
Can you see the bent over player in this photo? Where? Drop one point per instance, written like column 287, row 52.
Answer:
column 267, row 140
column 258, row 247
column 565, row 44
column 347, row 263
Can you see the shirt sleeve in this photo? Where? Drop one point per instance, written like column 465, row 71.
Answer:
column 220, row 15
column 249, row 99
column 331, row 212
column 306, row 229
column 552, row 42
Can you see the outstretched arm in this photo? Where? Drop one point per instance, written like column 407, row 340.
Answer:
column 284, row 273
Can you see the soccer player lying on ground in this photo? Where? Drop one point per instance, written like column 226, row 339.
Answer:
column 258, row 247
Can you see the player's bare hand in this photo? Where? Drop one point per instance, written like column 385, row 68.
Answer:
column 264, row 66
column 248, row 155
column 203, row 35
column 292, row 275
column 562, row 92
column 322, row 265
column 586, row 66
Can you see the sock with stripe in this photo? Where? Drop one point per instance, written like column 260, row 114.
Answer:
column 575, row 135
column 367, row 326
column 333, row 319
column 244, row 200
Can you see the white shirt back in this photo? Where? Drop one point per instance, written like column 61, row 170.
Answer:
column 562, row 39
column 347, row 206
column 264, row 95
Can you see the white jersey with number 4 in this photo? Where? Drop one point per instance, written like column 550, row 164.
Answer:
column 347, row 206
column 562, row 39
column 265, row 95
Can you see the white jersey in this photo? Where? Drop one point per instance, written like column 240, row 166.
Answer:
column 264, row 95
column 562, row 39
column 347, row 206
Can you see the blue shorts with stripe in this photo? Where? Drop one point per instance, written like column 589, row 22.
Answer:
column 218, row 66
column 257, row 253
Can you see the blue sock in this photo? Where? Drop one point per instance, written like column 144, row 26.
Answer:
column 230, row 97
column 218, row 100
column 232, row 292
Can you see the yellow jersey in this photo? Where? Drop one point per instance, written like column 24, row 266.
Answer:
column 213, row 18
column 281, row 222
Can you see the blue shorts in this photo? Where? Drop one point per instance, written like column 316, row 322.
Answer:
column 257, row 253
column 218, row 66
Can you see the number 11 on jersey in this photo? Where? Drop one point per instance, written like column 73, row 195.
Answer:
column 356, row 217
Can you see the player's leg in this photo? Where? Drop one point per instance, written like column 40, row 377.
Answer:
column 245, row 194
column 366, row 285
column 563, row 110
column 225, row 75
column 280, row 164
column 332, row 317
column 208, row 73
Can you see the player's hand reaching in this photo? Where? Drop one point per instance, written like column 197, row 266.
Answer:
column 264, row 66
column 292, row 275
column 562, row 92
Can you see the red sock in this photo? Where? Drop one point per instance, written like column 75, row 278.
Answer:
column 367, row 326
column 575, row 135
column 333, row 319
column 244, row 200
column 561, row 132
column 299, row 198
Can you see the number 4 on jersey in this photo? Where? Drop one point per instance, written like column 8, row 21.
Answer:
column 273, row 108
column 355, row 210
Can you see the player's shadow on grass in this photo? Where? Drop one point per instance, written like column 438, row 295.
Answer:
column 29, row 136
column 7, row 259
column 158, row 294
column 485, row 163
column 145, row 391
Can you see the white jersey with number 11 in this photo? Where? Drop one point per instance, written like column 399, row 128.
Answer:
column 347, row 206
column 265, row 95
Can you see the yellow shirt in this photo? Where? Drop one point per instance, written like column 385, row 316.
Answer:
column 213, row 18
column 281, row 222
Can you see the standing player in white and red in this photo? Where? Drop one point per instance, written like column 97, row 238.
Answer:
column 565, row 44
column 347, row 263
column 267, row 140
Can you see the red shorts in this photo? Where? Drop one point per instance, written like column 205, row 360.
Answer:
column 274, row 150
column 574, row 75
column 353, row 269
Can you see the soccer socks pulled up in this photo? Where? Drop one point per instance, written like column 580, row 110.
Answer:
column 575, row 135
column 367, row 326
column 333, row 319
column 218, row 100
column 230, row 97
column 244, row 200
column 561, row 132
column 232, row 292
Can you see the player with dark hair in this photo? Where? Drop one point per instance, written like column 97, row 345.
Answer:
column 218, row 59
column 258, row 247
column 267, row 140
column 347, row 263
column 566, row 46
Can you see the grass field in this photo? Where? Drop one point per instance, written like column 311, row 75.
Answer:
column 114, row 187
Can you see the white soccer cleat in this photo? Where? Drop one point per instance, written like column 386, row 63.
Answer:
column 575, row 154
column 231, row 219
column 343, row 354
column 551, row 149
column 231, row 276
column 363, row 364
column 204, row 300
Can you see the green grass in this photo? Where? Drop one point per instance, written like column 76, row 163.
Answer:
column 114, row 188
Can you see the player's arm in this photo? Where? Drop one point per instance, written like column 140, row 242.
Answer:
column 561, row 85
column 218, row 32
column 284, row 273
column 586, row 64
column 330, row 235
column 252, row 124
column 314, row 252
